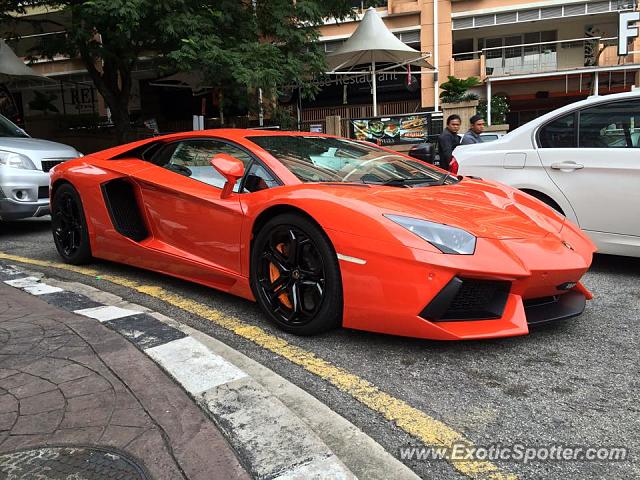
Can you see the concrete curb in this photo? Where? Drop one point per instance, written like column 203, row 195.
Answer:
column 278, row 430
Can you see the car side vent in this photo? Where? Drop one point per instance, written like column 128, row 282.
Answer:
column 124, row 210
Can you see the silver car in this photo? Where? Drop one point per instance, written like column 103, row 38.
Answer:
column 24, row 171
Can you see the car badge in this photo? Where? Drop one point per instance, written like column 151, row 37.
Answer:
column 568, row 245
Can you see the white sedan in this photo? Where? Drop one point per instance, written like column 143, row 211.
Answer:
column 582, row 159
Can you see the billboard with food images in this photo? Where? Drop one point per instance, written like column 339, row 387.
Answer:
column 394, row 130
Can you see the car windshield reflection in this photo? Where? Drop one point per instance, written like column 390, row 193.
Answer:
column 327, row 159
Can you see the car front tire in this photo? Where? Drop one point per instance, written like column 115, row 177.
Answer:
column 69, row 226
column 295, row 275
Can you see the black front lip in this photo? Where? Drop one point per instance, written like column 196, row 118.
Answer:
column 567, row 305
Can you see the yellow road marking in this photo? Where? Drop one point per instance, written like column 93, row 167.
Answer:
column 427, row 429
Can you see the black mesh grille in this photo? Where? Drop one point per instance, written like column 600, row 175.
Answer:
column 468, row 299
column 49, row 164
column 43, row 192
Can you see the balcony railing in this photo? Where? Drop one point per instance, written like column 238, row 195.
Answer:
column 540, row 57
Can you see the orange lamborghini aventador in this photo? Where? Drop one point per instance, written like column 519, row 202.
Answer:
column 324, row 231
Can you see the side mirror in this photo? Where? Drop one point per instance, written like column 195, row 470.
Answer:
column 230, row 168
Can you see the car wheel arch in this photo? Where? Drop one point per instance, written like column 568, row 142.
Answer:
column 57, row 184
column 275, row 210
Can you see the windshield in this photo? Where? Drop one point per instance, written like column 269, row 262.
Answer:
column 10, row 129
column 326, row 159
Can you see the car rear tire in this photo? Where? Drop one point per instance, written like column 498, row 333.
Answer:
column 295, row 275
column 69, row 226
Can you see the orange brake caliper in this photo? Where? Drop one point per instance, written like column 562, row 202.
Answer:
column 274, row 274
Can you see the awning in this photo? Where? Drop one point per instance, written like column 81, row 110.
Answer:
column 373, row 42
column 12, row 69
column 193, row 81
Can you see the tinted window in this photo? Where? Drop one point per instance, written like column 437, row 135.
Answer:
column 612, row 125
column 191, row 159
column 560, row 133
column 258, row 178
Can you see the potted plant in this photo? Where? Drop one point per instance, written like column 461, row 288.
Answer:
column 456, row 98
column 455, row 90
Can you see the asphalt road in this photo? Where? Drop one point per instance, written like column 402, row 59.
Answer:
column 573, row 383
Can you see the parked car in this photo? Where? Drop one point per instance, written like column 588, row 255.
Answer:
column 324, row 231
column 582, row 159
column 24, row 171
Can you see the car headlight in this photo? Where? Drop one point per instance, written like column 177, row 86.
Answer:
column 445, row 238
column 16, row 160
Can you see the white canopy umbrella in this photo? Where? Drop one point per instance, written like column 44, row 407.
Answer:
column 193, row 81
column 13, row 69
column 372, row 43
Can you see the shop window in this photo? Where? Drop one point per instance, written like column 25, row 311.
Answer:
column 560, row 133
column 611, row 125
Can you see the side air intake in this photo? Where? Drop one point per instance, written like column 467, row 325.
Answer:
column 121, row 202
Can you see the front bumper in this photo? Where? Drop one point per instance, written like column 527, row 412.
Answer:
column 390, row 292
column 23, row 193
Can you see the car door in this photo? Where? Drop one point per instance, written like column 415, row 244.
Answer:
column 593, row 156
column 181, row 196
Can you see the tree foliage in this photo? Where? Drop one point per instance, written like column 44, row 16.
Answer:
column 110, row 36
column 268, row 44
column 251, row 43
column 499, row 109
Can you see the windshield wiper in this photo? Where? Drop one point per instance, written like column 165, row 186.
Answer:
column 405, row 182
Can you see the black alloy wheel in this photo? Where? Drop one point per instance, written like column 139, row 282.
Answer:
column 296, row 277
column 69, row 226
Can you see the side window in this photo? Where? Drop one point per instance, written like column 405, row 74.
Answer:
column 191, row 159
column 258, row 178
column 560, row 133
column 611, row 125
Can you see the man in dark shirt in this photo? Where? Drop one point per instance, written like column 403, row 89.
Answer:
column 473, row 135
column 448, row 140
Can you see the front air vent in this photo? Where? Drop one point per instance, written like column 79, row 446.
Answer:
column 468, row 299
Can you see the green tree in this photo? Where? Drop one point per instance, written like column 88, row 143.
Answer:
column 109, row 36
column 499, row 109
column 250, row 43
column 267, row 44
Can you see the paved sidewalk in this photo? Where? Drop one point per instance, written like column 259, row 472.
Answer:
column 69, row 380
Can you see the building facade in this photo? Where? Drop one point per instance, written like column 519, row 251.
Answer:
column 540, row 55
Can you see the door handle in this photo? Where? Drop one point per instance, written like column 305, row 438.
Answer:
column 567, row 166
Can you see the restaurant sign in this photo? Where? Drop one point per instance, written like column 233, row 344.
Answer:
column 627, row 30
column 394, row 130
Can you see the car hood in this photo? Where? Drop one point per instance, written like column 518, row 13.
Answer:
column 43, row 148
column 484, row 209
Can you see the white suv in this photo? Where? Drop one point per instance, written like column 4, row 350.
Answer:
column 582, row 159
column 24, row 171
